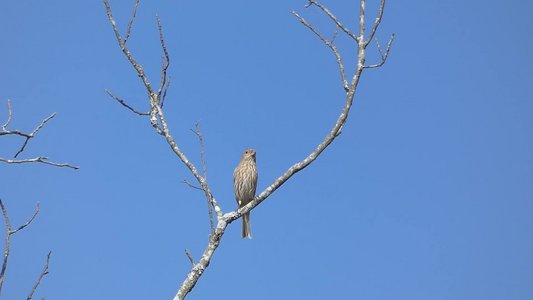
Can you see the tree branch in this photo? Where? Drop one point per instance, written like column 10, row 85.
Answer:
column 127, row 53
column 40, row 159
column 165, row 59
column 130, row 23
column 214, row 239
column 9, row 233
column 27, row 137
column 176, row 149
column 384, row 56
column 160, row 124
column 334, row 19
column 328, row 43
column 123, row 103
column 189, row 256
column 35, row 213
column 43, row 273
column 376, row 22
column 200, row 137
column 156, row 112
column 9, row 115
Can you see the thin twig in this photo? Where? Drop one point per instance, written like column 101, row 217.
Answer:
column 130, row 23
column 35, row 213
column 165, row 90
column 123, row 103
column 362, row 21
column 189, row 256
column 9, row 115
column 43, row 273
column 9, row 233
column 165, row 59
column 31, row 135
column 192, row 186
column 376, row 22
column 138, row 68
column 127, row 53
column 328, row 43
column 200, row 136
column 176, row 149
column 384, row 56
column 26, row 136
column 39, row 159
column 6, row 247
column 334, row 19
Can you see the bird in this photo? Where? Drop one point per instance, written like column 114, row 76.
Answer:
column 244, row 186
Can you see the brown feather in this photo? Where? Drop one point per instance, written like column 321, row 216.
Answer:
column 244, row 186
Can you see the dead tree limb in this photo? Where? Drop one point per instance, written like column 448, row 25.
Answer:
column 158, row 121
column 41, row 276
column 5, row 131
column 9, row 232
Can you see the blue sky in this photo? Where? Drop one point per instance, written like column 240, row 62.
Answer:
column 427, row 194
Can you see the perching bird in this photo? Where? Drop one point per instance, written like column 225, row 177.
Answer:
column 244, row 185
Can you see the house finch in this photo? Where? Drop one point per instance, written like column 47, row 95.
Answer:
column 244, row 185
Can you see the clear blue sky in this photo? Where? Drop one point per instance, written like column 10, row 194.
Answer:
column 427, row 194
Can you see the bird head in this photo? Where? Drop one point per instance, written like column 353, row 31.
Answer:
column 249, row 154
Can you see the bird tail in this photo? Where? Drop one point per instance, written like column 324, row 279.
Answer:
column 246, row 229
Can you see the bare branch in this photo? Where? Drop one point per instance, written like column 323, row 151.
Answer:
column 192, row 186
column 214, row 239
column 26, row 136
column 165, row 90
column 176, row 149
column 334, row 19
column 384, row 56
column 9, row 115
column 297, row 167
column 362, row 20
column 39, row 159
column 35, row 213
column 6, row 247
column 123, row 103
column 328, row 43
column 154, row 98
column 165, row 60
column 189, row 256
column 160, row 124
column 31, row 135
column 130, row 23
column 157, row 117
column 199, row 268
column 198, row 134
column 9, row 233
column 127, row 53
column 43, row 273
column 376, row 22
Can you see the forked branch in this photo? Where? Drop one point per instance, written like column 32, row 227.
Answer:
column 200, row 137
column 41, row 276
column 330, row 44
column 5, row 131
column 383, row 55
column 157, row 117
column 9, row 232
